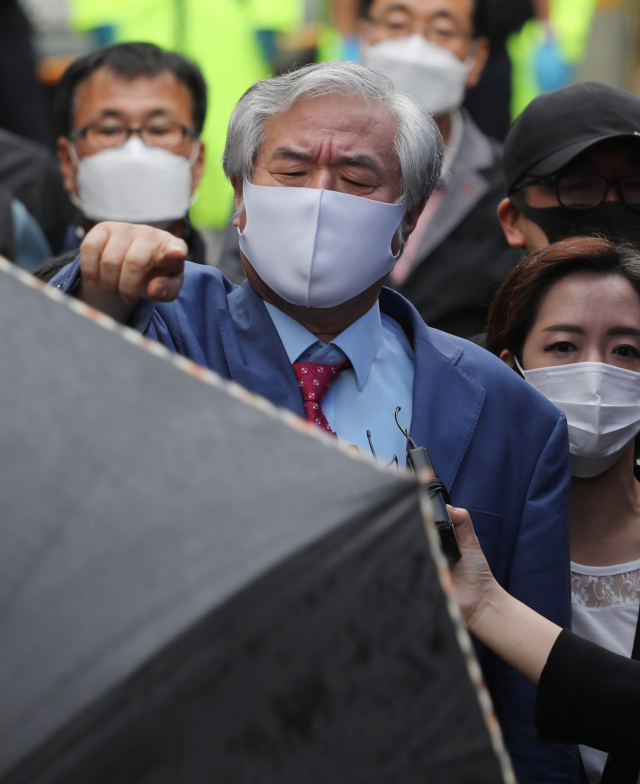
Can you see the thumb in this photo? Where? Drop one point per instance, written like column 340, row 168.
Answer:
column 463, row 525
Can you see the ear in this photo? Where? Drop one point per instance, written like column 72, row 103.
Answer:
column 510, row 218
column 198, row 167
column 507, row 357
column 67, row 166
column 481, row 47
column 239, row 220
column 411, row 219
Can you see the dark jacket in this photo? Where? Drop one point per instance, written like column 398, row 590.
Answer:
column 590, row 695
column 464, row 256
column 31, row 173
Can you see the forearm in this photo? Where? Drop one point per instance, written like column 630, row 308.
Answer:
column 513, row 631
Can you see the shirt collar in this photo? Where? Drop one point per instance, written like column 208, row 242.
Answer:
column 360, row 341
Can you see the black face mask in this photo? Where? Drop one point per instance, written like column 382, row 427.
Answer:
column 612, row 219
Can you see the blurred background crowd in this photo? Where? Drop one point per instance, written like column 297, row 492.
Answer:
column 536, row 45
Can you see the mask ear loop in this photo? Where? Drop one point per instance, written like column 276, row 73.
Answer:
column 75, row 199
column 519, row 366
column 191, row 160
column 73, row 154
column 472, row 58
column 197, row 145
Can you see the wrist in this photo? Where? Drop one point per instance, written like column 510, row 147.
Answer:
column 486, row 616
column 109, row 302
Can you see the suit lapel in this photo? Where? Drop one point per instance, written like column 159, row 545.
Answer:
column 255, row 355
column 446, row 401
column 463, row 189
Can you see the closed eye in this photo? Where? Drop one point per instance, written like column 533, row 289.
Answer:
column 357, row 184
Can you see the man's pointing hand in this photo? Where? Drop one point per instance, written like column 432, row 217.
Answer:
column 123, row 262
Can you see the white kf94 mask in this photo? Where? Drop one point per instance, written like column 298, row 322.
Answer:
column 602, row 406
column 434, row 76
column 135, row 183
column 317, row 248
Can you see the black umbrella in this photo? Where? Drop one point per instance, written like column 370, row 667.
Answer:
column 193, row 590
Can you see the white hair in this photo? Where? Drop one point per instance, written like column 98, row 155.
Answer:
column 417, row 144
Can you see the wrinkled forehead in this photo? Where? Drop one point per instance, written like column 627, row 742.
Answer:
column 334, row 123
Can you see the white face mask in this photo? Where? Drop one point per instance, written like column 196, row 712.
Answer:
column 602, row 406
column 317, row 248
column 434, row 76
column 135, row 183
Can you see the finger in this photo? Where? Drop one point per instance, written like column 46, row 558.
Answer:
column 167, row 274
column 463, row 525
column 112, row 258
column 91, row 251
column 152, row 254
column 164, row 288
column 171, row 252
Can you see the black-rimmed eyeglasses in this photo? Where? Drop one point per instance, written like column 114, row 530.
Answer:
column 102, row 135
column 580, row 191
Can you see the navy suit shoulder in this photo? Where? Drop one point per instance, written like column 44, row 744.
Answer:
column 484, row 367
column 488, row 373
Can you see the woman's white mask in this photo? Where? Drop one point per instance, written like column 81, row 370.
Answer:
column 135, row 183
column 317, row 248
column 434, row 76
column 602, row 406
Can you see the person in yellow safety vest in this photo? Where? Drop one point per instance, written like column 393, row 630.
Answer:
column 221, row 38
column 544, row 52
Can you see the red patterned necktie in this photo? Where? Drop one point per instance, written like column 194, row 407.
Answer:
column 314, row 380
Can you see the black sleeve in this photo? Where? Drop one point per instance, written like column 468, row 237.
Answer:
column 589, row 695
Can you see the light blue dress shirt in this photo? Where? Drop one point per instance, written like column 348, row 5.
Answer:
column 365, row 396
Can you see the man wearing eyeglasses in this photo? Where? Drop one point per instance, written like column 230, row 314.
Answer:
column 572, row 164
column 455, row 259
column 131, row 116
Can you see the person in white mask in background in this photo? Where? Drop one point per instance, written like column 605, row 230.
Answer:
column 331, row 169
column 131, row 115
column 457, row 257
column 568, row 319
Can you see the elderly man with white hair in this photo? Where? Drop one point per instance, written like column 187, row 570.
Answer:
column 331, row 169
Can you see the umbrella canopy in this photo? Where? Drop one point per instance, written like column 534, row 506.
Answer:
column 195, row 587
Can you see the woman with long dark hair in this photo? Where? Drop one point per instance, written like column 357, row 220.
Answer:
column 567, row 318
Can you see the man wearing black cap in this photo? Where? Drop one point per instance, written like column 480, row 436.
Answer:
column 572, row 166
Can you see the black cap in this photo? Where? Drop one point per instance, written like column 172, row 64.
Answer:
column 557, row 126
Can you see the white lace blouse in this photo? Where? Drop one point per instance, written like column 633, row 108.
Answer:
column 605, row 602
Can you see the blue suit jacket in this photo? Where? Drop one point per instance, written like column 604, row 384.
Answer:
column 499, row 446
